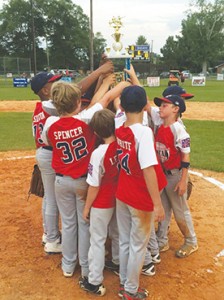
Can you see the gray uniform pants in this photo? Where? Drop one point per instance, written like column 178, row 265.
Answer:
column 50, row 212
column 70, row 196
column 153, row 245
column 179, row 205
column 134, row 230
column 100, row 220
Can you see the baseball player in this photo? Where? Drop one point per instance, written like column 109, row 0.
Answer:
column 173, row 148
column 100, row 203
column 41, row 85
column 140, row 180
column 73, row 142
column 153, row 112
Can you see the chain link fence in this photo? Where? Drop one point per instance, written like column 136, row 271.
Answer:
column 14, row 67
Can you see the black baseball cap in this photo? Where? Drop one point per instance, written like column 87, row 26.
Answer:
column 177, row 90
column 174, row 99
column 42, row 78
column 133, row 98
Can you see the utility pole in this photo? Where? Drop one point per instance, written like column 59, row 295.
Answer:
column 91, row 35
column 34, row 40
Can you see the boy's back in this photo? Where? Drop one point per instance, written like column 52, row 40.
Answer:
column 136, row 151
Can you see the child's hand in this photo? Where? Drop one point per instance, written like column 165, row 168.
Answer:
column 107, row 67
column 85, row 214
column 159, row 213
column 109, row 80
column 181, row 187
column 133, row 77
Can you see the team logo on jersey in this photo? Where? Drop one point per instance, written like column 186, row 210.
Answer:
column 90, row 169
column 162, row 151
column 185, row 143
column 119, row 114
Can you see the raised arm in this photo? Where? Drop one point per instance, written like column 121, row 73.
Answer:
column 113, row 93
column 85, row 83
column 104, row 87
column 133, row 77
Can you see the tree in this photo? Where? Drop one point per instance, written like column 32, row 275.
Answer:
column 202, row 37
column 61, row 24
column 141, row 40
column 99, row 44
column 203, row 32
column 169, row 51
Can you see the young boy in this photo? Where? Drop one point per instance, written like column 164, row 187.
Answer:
column 173, row 148
column 73, row 142
column 140, row 181
column 41, row 85
column 154, row 122
column 100, row 203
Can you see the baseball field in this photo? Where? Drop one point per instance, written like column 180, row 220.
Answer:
column 28, row 273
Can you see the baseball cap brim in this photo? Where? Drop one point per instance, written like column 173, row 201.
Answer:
column 187, row 96
column 55, row 78
column 158, row 101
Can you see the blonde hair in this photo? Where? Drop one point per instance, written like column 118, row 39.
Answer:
column 65, row 97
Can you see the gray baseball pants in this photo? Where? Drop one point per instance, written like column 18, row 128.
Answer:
column 179, row 205
column 134, row 230
column 100, row 220
column 50, row 211
column 70, row 196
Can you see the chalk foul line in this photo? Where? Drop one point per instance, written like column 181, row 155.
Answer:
column 209, row 179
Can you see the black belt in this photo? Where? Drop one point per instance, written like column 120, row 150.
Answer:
column 61, row 175
column 48, row 148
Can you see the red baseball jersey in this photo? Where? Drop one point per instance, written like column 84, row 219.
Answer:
column 170, row 142
column 103, row 172
column 73, row 142
column 136, row 151
column 38, row 121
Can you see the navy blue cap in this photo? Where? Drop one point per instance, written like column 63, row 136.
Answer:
column 133, row 98
column 177, row 90
column 174, row 99
column 42, row 78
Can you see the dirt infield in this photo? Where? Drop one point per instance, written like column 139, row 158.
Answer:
column 27, row 273
column 194, row 111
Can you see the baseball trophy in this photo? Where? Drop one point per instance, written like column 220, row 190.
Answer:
column 120, row 59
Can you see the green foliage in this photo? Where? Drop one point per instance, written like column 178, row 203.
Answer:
column 202, row 39
column 99, row 44
column 16, row 131
column 170, row 53
column 141, row 40
column 206, row 144
column 60, row 24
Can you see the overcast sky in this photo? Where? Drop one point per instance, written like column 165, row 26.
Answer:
column 155, row 19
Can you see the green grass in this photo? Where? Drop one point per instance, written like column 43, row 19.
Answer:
column 16, row 131
column 206, row 144
column 206, row 139
column 211, row 92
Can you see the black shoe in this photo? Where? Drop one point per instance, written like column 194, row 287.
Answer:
column 156, row 259
column 99, row 289
column 82, row 280
column 110, row 265
column 149, row 270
